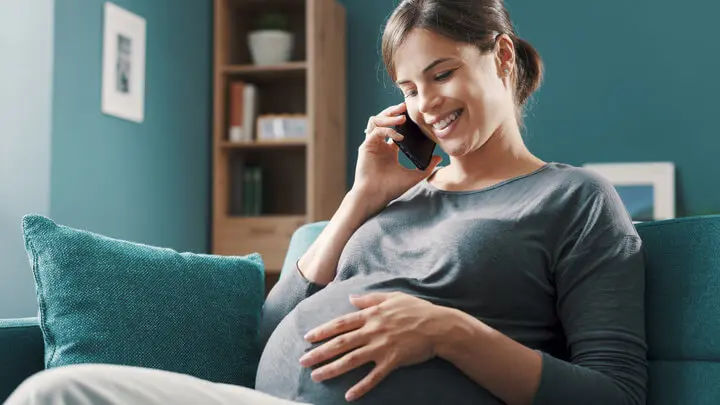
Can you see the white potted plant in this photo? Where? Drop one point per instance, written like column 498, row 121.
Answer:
column 271, row 42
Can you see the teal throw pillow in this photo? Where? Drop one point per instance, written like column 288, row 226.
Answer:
column 104, row 300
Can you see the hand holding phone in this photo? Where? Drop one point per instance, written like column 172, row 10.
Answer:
column 379, row 176
column 417, row 146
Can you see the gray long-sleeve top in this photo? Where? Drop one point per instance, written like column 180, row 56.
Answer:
column 550, row 259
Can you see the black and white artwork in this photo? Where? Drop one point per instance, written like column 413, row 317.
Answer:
column 123, row 76
column 123, row 64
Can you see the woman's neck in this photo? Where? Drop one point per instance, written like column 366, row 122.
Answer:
column 502, row 157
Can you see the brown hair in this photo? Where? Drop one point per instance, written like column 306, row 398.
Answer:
column 476, row 22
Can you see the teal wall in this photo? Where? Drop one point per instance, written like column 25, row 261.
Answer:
column 146, row 182
column 26, row 41
column 626, row 81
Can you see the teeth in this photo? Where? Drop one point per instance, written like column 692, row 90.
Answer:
column 442, row 124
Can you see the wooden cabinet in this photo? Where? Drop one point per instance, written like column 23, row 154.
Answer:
column 303, row 179
column 268, row 235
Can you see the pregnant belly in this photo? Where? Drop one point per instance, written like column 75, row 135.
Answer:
column 279, row 373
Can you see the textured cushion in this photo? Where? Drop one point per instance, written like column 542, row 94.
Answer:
column 684, row 383
column 103, row 300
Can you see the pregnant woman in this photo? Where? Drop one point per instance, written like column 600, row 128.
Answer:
column 498, row 278
column 495, row 279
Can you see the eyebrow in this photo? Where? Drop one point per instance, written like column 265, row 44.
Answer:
column 428, row 67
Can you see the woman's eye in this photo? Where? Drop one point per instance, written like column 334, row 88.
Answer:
column 410, row 93
column 443, row 76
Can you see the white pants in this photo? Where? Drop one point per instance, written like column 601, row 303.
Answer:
column 96, row 384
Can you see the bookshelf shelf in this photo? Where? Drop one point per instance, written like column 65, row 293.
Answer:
column 294, row 143
column 249, row 4
column 253, row 72
column 263, row 191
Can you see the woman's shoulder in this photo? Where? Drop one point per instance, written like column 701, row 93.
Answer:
column 578, row 180
column 590, row 198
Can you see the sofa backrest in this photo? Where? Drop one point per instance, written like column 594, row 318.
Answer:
column 683, row 309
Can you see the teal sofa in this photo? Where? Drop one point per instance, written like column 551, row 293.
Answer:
column 683, row 313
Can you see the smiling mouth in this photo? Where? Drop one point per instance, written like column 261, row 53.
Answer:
column 444, row 123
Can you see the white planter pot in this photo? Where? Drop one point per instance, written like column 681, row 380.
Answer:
column 270, row 47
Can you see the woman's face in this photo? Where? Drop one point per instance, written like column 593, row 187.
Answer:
column 457, row 95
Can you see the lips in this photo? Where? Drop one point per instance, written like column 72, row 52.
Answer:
column 443, row 123
column 441, row 128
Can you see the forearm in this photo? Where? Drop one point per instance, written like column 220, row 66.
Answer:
column 319, row 263
column 504, row 367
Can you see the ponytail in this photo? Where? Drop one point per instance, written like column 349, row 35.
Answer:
column 529, row 70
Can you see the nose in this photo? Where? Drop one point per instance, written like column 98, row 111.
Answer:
column 428, row 100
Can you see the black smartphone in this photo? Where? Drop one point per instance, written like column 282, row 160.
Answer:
column 417, row 146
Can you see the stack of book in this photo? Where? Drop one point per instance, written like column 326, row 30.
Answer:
column 247, row 196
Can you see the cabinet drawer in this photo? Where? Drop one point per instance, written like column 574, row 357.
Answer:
column 269, row 236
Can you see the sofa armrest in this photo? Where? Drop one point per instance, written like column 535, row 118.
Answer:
column 300, row 242
column 21, row 352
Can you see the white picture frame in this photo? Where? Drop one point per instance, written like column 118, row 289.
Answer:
column 630, row 179
column 123, row 75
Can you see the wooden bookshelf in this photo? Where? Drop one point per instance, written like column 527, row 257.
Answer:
column 303, row 179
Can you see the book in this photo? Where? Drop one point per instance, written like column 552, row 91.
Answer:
column 242, row 113
column 250, row 107
column 248, row 191
column 237, row 196
column 258, row 191
column 252, row 194
column 236, row 111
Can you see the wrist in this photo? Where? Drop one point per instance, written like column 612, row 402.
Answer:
column 319, row 263
column 366, row 201
column 459, row 332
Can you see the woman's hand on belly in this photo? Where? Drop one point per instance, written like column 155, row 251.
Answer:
column 391, row 329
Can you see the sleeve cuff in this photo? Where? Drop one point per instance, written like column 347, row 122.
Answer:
column 547, row 381
column 565, row 383
column 310, row 287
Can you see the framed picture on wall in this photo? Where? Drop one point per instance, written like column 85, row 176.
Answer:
column 123, row 75
column 646, row 189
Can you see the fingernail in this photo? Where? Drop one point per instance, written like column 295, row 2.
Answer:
column 350, row 396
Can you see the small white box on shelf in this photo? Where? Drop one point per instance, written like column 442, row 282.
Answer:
column 282, row 126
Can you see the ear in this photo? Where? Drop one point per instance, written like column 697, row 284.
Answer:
column 504, row 55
